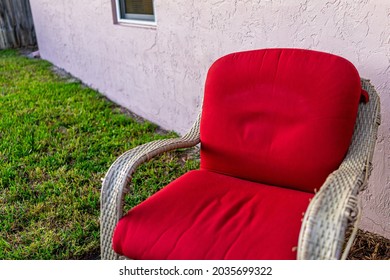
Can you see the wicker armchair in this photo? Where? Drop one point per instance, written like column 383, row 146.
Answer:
column 332, row 210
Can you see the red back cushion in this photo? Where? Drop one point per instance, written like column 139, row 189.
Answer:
column 282, row 117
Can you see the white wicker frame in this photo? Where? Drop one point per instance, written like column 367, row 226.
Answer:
column 332, row 210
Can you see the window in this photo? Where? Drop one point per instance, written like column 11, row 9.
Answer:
column 135, row 11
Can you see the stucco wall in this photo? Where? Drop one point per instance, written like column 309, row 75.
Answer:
column 159, row 72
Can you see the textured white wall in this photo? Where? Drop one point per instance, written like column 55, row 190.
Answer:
column 159, row 72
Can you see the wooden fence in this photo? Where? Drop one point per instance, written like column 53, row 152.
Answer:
column 16, row 24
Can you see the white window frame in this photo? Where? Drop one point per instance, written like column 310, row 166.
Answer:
column 136, row 19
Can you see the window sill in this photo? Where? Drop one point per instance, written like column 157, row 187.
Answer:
column 137, row 23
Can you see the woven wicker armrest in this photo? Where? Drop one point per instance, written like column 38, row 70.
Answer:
column 117, row 180
column 335, row 207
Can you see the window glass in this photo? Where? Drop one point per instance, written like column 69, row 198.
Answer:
column 139, row 7
column 136, row 10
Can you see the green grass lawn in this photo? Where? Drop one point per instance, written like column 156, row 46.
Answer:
column 57, row 140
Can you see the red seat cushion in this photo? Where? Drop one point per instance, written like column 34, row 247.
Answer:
column 282, row 117
column 206, row 215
